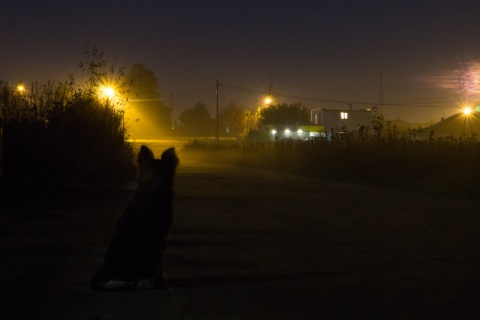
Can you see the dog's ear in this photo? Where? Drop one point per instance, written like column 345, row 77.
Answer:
column 144, row 155
column 169, row 157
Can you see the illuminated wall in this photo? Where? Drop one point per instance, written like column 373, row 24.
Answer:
column 337, row 119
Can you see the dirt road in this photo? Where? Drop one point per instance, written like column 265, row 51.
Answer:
column 249, row 245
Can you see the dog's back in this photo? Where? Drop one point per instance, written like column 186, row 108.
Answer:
column 136, row 250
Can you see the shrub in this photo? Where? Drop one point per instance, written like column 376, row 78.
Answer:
column 55, row 130
column 413, row 161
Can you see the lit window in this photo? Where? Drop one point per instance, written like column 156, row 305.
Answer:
column 344, row 115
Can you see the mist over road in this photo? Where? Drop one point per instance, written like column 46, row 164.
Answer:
column 289, row 247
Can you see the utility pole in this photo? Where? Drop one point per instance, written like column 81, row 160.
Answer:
column 216, row 129
column 380, row 90
column 171, row 111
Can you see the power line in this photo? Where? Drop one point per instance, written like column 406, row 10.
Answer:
column 144, row 100
column 336, row 101
column 196, row 91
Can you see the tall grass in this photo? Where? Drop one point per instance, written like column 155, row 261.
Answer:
column 53, row 130
column 414, row 161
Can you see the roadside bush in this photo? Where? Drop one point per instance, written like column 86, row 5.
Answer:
column 413, row 161
column 431, row 166
column 57, row 131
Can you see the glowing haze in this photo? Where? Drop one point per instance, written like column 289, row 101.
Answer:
column 418, row 58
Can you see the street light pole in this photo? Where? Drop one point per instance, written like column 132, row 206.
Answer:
column 216, row 129
column 171, row 112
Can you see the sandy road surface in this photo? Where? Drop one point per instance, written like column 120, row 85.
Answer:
column 249, row 245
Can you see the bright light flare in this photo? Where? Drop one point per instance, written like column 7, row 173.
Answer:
column 461, row 82
column 467, row 111
column 108, row 92
column 21, row 88
column 267, row 100
column 111, row 94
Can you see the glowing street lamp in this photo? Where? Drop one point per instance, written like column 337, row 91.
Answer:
column 267, row 100
column 21, row 88
column 108, row 92
column 467, row 111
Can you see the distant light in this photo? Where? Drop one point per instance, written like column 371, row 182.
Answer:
column 300, row 132
column 467, row 111
column 20, row 88
column 267, row 99
column 274, row 132
column 109, row 92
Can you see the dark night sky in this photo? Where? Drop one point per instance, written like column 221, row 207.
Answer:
column 328, row 50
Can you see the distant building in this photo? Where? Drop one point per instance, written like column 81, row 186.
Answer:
column 341, row 119
column 297, row 132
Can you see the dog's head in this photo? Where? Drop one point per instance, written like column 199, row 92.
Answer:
column 150, row 169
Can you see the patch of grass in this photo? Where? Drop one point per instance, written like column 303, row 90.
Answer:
column 225, row 152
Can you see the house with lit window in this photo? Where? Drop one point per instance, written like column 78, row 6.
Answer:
column 348, row 120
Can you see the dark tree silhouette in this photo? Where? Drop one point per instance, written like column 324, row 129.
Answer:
column 233, row 121
column 283, row 114
column 146, row 105
column 145, row 84
column 196, row 121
